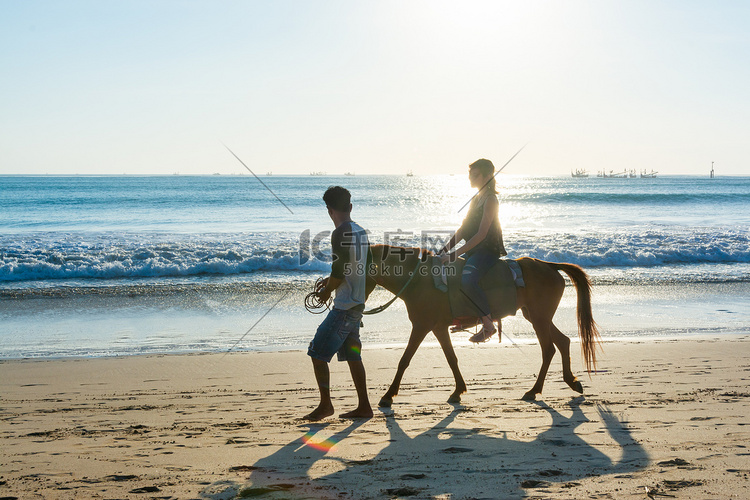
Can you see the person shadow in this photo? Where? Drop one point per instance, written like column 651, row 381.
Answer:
column 452, row 460
column 287, row 469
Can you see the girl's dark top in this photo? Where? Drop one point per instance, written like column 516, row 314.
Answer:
column 493, row 242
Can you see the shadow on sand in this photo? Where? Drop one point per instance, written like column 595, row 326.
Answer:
column 443, row 460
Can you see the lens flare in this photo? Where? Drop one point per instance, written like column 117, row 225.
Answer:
column 324, row 446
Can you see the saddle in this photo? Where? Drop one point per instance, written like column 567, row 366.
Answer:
column 499, row 283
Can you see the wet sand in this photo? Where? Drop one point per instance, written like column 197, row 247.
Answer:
column 660, row 418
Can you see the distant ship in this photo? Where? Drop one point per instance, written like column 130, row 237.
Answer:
column 409, row 174
column 648, row 175
column 579, row 173
column 612, row 174
column 317, row 173
column 348, row 173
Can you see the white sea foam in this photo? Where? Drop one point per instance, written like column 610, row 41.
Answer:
column 111, row 256
column 108, row 256
column 649, row 248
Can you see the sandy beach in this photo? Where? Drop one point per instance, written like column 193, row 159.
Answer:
column 660, row 418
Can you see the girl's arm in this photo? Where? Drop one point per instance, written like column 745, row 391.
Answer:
column 452, row 242
column 491, row 209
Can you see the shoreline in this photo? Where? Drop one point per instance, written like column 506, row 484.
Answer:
column 459, row 340
column 93, row 325
column 429, row 342
column 666, row 416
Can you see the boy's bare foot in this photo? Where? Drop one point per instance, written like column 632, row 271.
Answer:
column 365, row 412
column 319, row 413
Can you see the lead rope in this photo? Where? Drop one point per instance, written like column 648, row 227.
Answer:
column 382, row 308
column 314, row 305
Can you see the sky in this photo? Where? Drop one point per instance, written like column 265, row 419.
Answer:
column 374, row 87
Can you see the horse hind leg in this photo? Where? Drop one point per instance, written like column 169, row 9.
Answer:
column 562, row 342
column 543, row 328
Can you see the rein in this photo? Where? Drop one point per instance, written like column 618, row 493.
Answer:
column 383, row 307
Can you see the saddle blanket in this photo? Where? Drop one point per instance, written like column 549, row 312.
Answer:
column 499, row 284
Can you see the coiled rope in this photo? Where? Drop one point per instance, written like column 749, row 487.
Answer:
column 313, row 303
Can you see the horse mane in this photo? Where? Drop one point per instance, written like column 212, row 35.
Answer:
column 402, row 253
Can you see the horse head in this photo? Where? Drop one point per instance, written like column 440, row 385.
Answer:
column 392, row 265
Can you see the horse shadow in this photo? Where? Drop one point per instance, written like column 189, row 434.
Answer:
column 450, row 460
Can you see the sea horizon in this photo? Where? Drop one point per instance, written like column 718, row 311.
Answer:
column 354, row 174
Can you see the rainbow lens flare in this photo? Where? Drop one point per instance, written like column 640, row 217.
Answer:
column 324, row 446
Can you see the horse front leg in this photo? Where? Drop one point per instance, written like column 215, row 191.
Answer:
column 415, row 339
column 443, row 336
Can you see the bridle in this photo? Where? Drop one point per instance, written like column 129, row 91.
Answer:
column 385, row 306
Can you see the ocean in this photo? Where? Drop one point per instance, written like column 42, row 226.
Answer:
column 119, row 265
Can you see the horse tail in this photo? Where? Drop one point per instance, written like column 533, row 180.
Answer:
column 587, row 329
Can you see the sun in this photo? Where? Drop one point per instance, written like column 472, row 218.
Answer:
column 446, row 27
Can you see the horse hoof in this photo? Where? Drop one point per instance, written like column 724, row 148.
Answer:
column 385, row 403
column 529, row 396
column 576, row 386
column 454, row 400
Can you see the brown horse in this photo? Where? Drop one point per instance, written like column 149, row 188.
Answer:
column 429, row 311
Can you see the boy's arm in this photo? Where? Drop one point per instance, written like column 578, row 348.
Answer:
column 340, row 255
column 331, row 283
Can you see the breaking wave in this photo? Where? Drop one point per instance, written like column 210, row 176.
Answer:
column 103, row 256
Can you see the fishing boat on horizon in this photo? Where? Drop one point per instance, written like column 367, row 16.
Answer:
column 612, row 174
column 648, row 175
column 579, row 173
